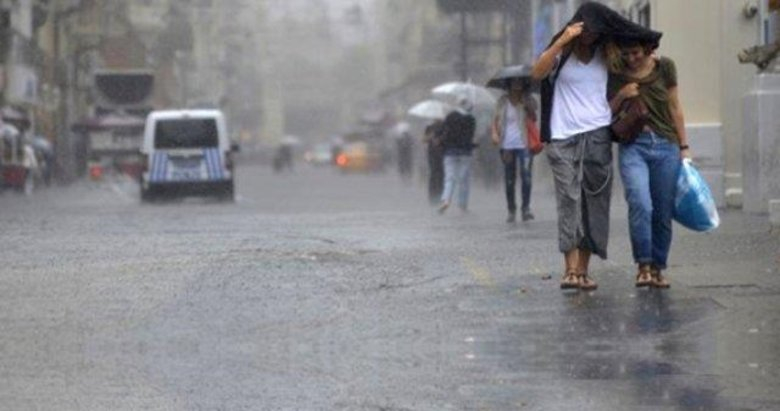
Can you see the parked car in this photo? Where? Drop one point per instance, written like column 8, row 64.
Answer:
column 319, row 155
column 186, row 152
column 360, row 156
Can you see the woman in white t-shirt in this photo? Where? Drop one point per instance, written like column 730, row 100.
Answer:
column 579, row 148
column 508, row 132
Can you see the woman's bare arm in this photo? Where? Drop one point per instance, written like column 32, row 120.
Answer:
column 546, row 61
column 679, row 120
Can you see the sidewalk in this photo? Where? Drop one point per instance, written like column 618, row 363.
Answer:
column 720, row 322
column 738, row 267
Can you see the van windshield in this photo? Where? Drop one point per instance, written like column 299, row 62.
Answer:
column 186, row 133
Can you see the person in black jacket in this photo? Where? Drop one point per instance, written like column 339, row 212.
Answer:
column 435, row 154
column 458, row 141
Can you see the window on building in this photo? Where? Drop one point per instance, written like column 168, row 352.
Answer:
column 640, row 13
column 5, row 19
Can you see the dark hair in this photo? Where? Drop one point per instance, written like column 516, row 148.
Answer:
column 628, row 42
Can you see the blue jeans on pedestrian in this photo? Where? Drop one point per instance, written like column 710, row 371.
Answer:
column 457, row 172
column 511, row 159
column 649, row 168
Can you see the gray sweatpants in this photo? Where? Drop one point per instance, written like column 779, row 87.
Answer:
column 582, row 168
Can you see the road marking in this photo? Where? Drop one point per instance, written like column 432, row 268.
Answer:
column 481, row 274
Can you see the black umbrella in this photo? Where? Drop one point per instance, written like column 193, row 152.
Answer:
column 502, row 77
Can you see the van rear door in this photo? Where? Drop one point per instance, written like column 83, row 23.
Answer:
column 186, row 149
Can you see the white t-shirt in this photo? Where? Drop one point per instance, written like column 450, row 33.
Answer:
column 513, row 132
column 580, row 100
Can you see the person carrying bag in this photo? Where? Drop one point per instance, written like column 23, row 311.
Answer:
column 650, row 158
column 514, row 131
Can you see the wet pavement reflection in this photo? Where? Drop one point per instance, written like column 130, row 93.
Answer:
column 331, row 297
column 609, row 349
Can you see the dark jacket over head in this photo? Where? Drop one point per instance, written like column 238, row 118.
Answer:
column 458, row 133
column 611, row 25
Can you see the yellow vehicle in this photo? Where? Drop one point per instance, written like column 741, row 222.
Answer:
column 362, row 150
column 360, row 156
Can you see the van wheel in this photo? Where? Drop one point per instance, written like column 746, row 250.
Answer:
column 146, row 195
column 228, row 192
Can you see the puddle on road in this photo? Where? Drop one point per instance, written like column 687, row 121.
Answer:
column 323, row 256
column 644, row 348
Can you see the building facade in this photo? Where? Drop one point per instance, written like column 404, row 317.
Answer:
column 704, row 38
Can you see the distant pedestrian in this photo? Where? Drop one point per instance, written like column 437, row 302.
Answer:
column 650, row 164
column 405, row 146
column 458, row 141
column 575, row 121
column 435, row 153
column 283, row 159
column 513, row 110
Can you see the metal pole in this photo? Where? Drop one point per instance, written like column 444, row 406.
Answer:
column 774, row 21
column 464, row 56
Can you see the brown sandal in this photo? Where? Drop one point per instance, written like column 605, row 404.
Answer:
column 569, row 281
column 586, row 283
column 659, row 281
column 644, row 277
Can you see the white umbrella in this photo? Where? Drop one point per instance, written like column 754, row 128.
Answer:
column 479, row 97
column 399, row 129
column 430, row 110
column 290, row 140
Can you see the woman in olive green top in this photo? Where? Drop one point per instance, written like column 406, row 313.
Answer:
column 649, row 165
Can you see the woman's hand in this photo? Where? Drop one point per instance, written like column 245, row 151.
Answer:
column 572, row 31
column 685, row 153
column 547, row 60
column 629, row 90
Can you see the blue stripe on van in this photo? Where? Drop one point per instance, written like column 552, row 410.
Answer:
column 159, row 169
column 214, row 155
column 218, row 164
column 153, row 170
column 213, row 163
column 209, row 163
column 164, row 166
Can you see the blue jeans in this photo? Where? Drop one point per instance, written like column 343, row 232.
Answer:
column 649, row 167
column 511, row 158
column 457, row 172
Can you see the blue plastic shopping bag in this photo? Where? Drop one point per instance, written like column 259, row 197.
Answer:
column 694, row 206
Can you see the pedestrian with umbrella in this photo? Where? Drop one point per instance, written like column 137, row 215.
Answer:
column 458, row 141
column 433, row 111
column 514, row 122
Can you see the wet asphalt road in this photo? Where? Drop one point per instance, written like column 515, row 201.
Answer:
column 318, row 291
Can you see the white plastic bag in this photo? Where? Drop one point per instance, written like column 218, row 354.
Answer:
column 694, row 206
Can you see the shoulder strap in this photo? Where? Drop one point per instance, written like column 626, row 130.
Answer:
column 557, row 69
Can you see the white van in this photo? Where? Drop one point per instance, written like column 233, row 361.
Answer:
column 186, row 152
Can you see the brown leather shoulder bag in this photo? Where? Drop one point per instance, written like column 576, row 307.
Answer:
column 630, row 120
